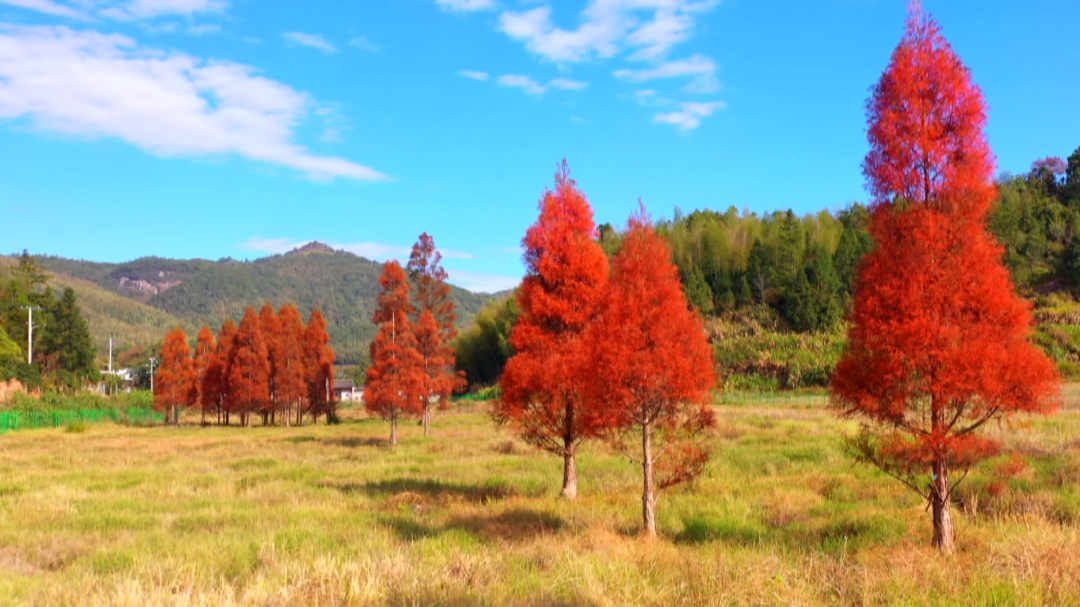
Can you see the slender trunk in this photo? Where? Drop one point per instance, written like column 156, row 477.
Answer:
column 393, row 431
column 427, row 421
column 648, row 500
column 569, row 478
column 943, row 524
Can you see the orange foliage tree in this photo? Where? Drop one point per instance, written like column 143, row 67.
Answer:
column 394, row 377
column 651, row 367
column 270, row 326
column 204, row 355
column 174, row 386
column 215, row 384
column 289, row 374
column 434, row 335
column 566, row 271
column 938, row 341
column 319, row 367
column 248, row 369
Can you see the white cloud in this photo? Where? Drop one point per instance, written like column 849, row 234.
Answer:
column 524, row 83
column 567, row 84
column 48, row 7
column 147, row 9
column 690, row 115
column 648, row 28
column 89, row 84
column 481, row 282
column 364, row 43
column 474, row 75
column 310, row 40
column 466, row 5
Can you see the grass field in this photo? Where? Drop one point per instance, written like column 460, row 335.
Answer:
column 329, row 515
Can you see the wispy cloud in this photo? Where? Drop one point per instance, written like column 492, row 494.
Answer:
column 524, row 83
column 481, row 282
column 125, row 11
column 466, row 5
column 532, row 87
column 204, row 29
column 689, row 116
column 474, row 75
column 169, row 104
column 310, row 40
column 364, row 43
column 568, row 85
column 699, row 67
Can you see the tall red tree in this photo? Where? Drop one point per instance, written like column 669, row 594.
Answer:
column 215, row 385
column 394, row 377
column 174, row 385
column 566, row 271
column 319, row 366
column 272, row 335
column 248, row 369
column 289, row 377
column 938, row 342
column 204, row 355
column 432, row 297
column 650, row 366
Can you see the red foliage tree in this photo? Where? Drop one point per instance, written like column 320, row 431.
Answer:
column 651, row 367
column 566, row 271
column 433, row 298
column 289, row 375
column 938, row 342
column 174, row 385
column 394, row 377
column 248, row 369
column 319, row 366
column 215, row 384
column 204, row 355
column 272, row 335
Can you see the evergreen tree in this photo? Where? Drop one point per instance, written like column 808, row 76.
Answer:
column 65, row 339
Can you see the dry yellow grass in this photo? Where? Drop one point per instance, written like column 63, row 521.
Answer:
column 331, row 516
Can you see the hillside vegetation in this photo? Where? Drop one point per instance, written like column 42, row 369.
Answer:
column 143, row 298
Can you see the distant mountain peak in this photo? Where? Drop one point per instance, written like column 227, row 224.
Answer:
column 312, row 247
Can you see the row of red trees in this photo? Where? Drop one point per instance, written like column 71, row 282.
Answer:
column 412, row 359
column 272, row 365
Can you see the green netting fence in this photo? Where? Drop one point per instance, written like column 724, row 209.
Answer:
column 29, row 420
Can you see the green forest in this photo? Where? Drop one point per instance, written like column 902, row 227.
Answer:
column 774, row 288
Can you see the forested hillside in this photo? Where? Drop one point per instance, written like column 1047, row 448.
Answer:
column 139, row 300
column 774, row 288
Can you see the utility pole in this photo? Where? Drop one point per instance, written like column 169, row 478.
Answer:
column 30, row 334
column 153, row 361
column 110, row 356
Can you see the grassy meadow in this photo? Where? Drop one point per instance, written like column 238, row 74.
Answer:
column 329, row 515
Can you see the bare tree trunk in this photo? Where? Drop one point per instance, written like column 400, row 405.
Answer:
column 427, row 421
column 940, row 496
column 569, row 479
column 393, row 431
column 648, row 500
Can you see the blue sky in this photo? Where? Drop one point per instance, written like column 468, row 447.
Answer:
column 212, row 128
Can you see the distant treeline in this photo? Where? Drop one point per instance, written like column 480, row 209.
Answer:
column 804, row 268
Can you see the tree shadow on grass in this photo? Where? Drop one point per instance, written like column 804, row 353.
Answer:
column 516, row 524
column 355, row 441
column 434, row 489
